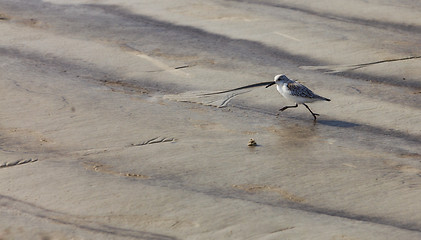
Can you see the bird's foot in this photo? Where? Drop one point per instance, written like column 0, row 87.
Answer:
column 286, row 107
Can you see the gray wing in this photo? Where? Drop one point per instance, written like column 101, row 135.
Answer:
column 300, row 90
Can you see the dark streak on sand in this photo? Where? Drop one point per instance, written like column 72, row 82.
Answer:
column 187, row 37
column 397, row 27
column 75, row 221
column 113, row 21
column 146, row 86
column 282, row 203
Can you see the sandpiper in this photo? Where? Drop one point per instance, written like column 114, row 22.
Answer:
column 295, row 92
column 290, row 89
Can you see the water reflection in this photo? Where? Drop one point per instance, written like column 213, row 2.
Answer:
column 296, row 136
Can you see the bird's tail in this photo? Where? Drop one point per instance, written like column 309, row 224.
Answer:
column 323, row 98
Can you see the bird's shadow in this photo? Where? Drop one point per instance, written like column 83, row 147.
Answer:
column 336, row 123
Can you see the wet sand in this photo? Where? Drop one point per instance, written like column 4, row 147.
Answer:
column 104, row 133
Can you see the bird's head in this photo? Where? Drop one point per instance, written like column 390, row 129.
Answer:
column 278, row 79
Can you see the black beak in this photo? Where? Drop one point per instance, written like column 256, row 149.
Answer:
column 270, row 84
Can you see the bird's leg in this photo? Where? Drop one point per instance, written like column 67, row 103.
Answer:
column 314, row 114
column 286, row 107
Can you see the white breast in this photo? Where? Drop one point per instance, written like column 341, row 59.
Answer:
column 286, row 93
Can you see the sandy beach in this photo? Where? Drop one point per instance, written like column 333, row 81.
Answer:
column 105, row 132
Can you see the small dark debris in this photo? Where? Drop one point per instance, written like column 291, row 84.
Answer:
column 252, row 143
column 4, row 17
column 184, row 66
